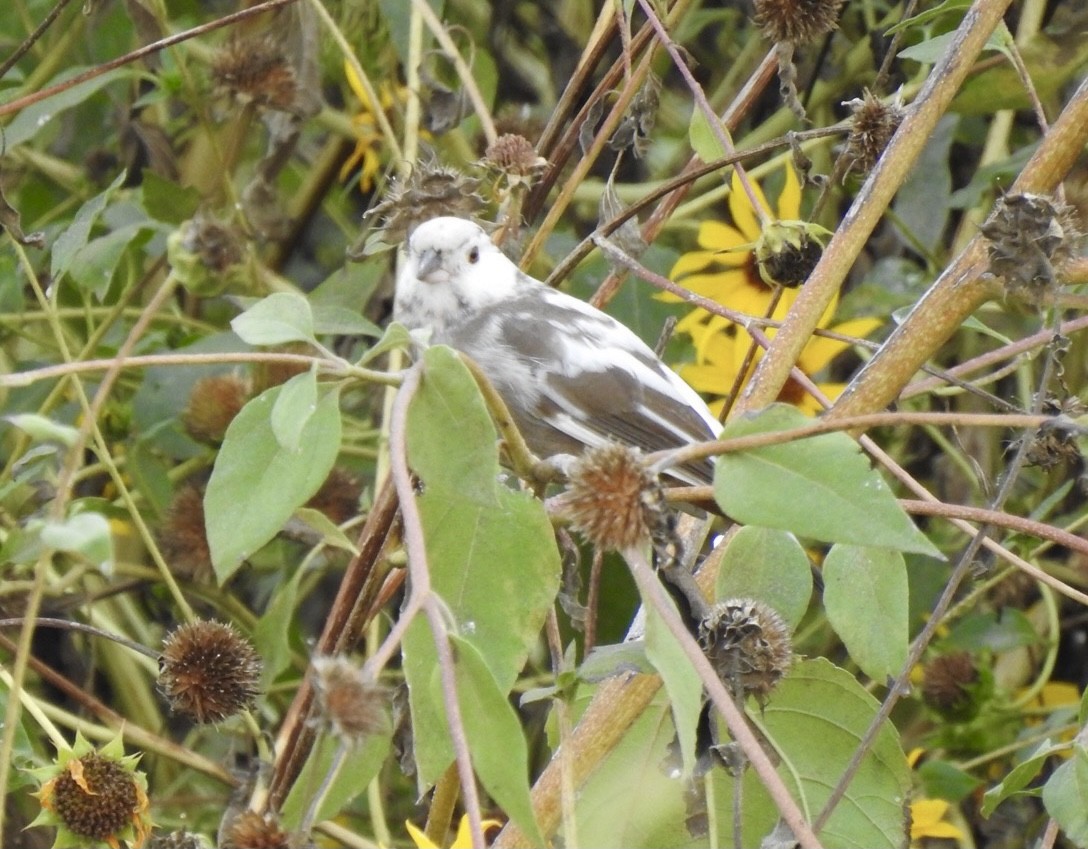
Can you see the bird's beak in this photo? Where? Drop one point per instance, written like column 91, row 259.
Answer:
column 431, row 269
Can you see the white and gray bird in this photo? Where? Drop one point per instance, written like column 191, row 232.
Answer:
column 571, row 375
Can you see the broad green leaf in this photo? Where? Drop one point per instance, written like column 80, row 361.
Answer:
column 86, row 534
column 359, row 767
column 944, row 780
column 74, row 238
column 490, row 549
column 165, row 200
column 767, row 565
column 1064, row 794
column 42, row 429
column 341, row 321
column 821, row 487
column 704, row 141
column 814, row 719
column 395, row 336
column 280, row 318
column 500, row 755
column 1020, row 776
column 271, row 636
column 31, row 120
column 867, row 599
column 681, row 682
column 95, row 263
column 294, row 406
column 996, row 631
column 257, row 484
column 331, row 534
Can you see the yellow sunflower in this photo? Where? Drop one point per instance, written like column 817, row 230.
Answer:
column 368, row 146
column 725, row 270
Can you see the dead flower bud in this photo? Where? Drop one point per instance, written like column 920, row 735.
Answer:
column 613, row 499
column 749, row 645
column 955, row 686
column 213, row 403
column 1029, row 236
column 182, row 536
column 515, row 157
column 787, row 251
column 251, row 830
column 349, row 704
column 431, row 190
column 873, row 126
column 257, row 70
column 637, row 124
column 208, row 671
column 797, row 21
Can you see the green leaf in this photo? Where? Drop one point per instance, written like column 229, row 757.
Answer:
column 821, row 487
column 490, row 549
column 280, row 318
column 296, row 403
column 271, row 637
column 331, row 534
column 1020, row 776
column 683, row 685
column 767, row 565
column 500, row 755
column 395, row 336
column 74, row 238
column 257, row 484
column 867, row 600
column 944, row 780
column 96, row 262
column 814, row 720
column 704, row 141
column 42, row 429
column 341, row 321
column 30, row 121
column 164, row 200
column 1064, row 794
column 358, row 768
column 86, row 534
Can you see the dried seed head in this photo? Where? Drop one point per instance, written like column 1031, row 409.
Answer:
column 514, row 156
column 257, row 70
column 182, row 537
column 94, row 795
column 213, row 403
column 207, row 256
column 873, row 126
column 208, row 671
column 1055, row 442
column 429, row 191
column 797, row 21
column 350, row 705
column 613, row 499
column 1029, row 236
column 250, row 830
column 955, row 686
column 338, row 497
column 787, row 251
column 749, row 645
column 178, row 840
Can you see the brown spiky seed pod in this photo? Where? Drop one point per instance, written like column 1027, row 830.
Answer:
column 182, row 538
column 749, row 645
column 956, row 686
column 338, row 497
column 350, row 705
column 250, row 830
column 429, row 191
column 874, row 123
column 1030, row 235
column 208, row 671
column 797, row 21
column 513, row 155
column 613, row 499
column 213, row 403
column 257, row 70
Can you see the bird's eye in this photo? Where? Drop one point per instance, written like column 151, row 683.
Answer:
column 474, row 255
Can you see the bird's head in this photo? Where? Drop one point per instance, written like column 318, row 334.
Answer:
column 451, row 270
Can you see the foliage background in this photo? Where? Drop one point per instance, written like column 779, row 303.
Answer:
column 166, row 196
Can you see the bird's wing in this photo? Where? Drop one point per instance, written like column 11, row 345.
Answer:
column 574, row 376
